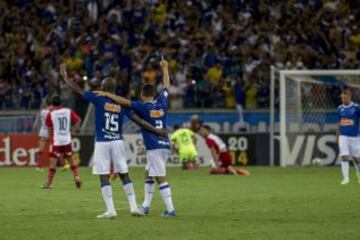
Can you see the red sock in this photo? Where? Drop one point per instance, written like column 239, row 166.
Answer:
column 51, row 175
column 74, row 170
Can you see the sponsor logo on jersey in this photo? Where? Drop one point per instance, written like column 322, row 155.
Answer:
column 346, row 122
column 111, row 135
column 161, row 142
column 156, row 113
column 112, row 107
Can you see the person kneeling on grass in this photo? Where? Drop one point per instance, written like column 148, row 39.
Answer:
column 222, row 157
column 183, row 141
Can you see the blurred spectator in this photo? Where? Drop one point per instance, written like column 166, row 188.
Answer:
column 190, row 93
column 214, row 74
column 263, row 95
column 251, row 93
column 219, row 96
column 205, row 41
column 176, row 96
column 229, row 94
column 239, row 93
column 204, row 93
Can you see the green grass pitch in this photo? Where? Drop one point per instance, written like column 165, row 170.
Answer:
column 272, row 203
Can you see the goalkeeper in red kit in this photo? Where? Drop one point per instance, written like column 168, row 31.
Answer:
column 222, row 157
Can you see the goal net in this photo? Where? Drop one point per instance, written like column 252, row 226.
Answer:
column 308, row 101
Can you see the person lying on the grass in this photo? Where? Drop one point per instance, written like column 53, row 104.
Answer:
column 221, row 156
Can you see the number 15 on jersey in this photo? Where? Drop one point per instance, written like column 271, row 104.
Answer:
column 111, row 122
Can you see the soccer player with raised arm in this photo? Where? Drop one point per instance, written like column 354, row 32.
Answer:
column 109, row 144
column 154, row 111
column 184, row 139
column 347, row 135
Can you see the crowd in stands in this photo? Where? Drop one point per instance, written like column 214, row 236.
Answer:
column 219, row 52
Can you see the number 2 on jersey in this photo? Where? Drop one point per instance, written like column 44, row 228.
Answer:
column 111, row 122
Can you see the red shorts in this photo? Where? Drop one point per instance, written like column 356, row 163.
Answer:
column 225, row 158
column 58, row 151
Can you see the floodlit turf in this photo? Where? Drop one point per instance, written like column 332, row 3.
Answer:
column 272, row 203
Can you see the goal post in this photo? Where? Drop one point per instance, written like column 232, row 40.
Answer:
column 308, row 100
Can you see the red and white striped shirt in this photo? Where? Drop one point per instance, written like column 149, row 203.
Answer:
column 60, row 120
column 214, row 141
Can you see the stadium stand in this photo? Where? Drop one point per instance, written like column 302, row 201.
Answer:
column 219, row 51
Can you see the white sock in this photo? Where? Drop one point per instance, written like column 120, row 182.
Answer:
column 165, row 192
column 149, row 192
column 130, row 193
column 345, row 169
column 107, row 196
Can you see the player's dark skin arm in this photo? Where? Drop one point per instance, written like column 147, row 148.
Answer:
column 144, row 124
column 121, row 100
column 71, row 84
column 337, row 133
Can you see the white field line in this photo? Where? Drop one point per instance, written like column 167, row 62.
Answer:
column 60, row 212
column 79, row 200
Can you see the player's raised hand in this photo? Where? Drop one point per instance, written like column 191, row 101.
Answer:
column 163, row 64
column 101, row 93
column 63, row 68
column 165, row 70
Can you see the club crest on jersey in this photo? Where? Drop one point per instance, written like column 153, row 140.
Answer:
column 112, row 107
column 156, row 113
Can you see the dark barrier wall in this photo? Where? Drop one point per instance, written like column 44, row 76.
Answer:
column 248, row 149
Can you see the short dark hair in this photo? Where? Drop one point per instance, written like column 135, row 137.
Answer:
column 207, row 127
column 346, row 90
column 148, row 90
column 176, row 126
column 56, row 100
column 48, row 101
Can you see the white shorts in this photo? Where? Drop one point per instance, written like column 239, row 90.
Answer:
column 44, row 133
column 106, row 153
column 349, row 146
column 156, row 162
